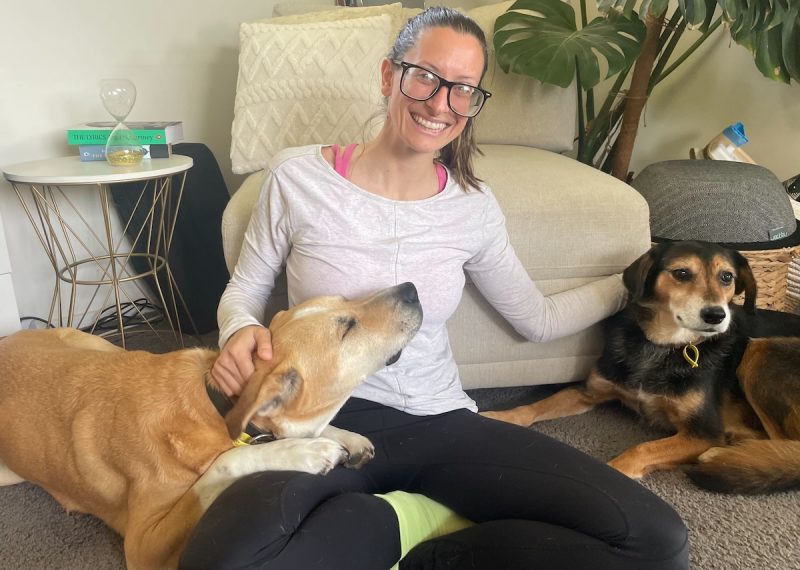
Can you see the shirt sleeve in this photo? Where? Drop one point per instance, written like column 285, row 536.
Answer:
column 500, row 277
column 264, row 250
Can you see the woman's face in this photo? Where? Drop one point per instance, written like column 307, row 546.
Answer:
column 428, row 126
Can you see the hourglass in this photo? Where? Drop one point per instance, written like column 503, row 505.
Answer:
column 122, row 148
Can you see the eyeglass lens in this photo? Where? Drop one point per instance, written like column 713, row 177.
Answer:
column 421, row 84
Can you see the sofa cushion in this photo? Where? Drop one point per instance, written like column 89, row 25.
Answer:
column 301, row 84
column 293, row 13
column 566, row 219
column 294, row 8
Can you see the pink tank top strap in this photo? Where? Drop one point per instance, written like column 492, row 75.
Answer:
column 341, row 158
column 441, row 174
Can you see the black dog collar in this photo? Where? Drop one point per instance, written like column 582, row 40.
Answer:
column 252, row 434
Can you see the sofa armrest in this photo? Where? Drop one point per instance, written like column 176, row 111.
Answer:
column 237, row 215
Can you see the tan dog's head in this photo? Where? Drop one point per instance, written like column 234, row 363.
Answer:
column 687, row 286
column 322, row 349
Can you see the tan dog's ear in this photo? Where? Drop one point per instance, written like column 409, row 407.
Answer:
column 745, row 281
column 264, row 393
column 635, row 275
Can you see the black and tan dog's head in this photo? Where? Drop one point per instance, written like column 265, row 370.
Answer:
column 322, row 349
column 685, row 288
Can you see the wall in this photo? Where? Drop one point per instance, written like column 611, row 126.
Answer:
column 182, row 55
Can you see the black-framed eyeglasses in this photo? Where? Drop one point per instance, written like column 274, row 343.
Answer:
column 421, row 84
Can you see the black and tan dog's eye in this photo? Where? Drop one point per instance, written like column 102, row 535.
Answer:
column 682, row 274
column 726, row 277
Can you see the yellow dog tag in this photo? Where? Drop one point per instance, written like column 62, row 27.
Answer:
column 242, row 440
column 692, row 355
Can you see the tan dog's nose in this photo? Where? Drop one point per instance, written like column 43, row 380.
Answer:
column 407, row 292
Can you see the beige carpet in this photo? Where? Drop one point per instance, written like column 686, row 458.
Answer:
column 727, row 532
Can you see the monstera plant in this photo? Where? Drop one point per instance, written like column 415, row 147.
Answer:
column 636, row 38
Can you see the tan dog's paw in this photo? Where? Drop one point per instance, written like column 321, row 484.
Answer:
column 359, row 449
column 358, row 456
column 316, row 455
column 325, row 455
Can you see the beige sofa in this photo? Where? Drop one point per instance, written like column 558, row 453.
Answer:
column 313, row 78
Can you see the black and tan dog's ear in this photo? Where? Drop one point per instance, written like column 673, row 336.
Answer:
column 745, row 281
column 635, row 275
column 264, row 393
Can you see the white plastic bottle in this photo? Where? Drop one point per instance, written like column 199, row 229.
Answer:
column 727, row 145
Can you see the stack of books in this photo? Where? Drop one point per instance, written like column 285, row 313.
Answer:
column 157, row 137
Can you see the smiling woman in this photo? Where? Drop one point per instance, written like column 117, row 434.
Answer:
column 407, row 206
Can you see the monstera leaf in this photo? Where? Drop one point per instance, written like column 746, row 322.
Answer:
column 770, row 29
column 541, row 39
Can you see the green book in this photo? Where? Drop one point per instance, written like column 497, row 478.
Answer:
column 148, row 132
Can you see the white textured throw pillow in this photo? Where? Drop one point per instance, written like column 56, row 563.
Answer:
column 305, row 83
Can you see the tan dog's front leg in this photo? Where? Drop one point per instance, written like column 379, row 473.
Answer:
column 314, row 455
column 666, row 453
column 157, row 541
column 359, row 449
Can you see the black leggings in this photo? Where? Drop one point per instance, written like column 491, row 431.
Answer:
column 539, row 504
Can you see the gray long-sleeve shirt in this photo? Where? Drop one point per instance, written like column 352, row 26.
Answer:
column 335, row 238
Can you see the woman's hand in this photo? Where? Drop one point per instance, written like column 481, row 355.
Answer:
column 234, row 364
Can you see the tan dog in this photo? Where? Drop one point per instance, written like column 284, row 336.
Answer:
column 133, row 438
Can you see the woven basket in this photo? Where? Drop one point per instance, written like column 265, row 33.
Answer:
column 777, row 289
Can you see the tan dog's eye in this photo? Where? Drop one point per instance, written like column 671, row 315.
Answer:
column 347, row 325
column 682, row 274
column 726, row 277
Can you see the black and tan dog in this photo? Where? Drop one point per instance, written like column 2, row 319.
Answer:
column 685, row 358
column 134, row 439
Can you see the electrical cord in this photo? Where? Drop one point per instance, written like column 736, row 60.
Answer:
column 48, row 324
column 134, row 314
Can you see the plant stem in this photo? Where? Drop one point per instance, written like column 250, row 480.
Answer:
column 581, row 117
column 589, row 92
column 667, row 50
column 637, row 96
column 596, row 129
column 668, row 30
column 690, row 50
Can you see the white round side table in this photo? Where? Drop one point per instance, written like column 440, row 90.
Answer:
column 82, row 255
